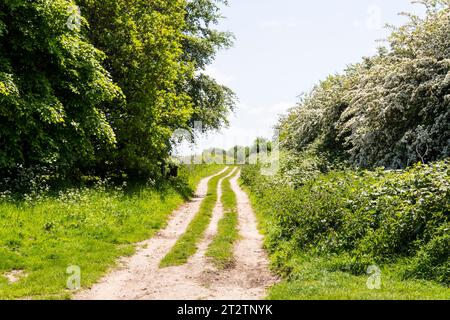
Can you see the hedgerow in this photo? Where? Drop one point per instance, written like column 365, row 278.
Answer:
column 364, row 217
column 389, row 110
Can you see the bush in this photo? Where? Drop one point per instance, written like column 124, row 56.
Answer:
column 371, row 216
column 389, row 110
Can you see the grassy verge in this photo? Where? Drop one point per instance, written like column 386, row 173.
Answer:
column 195, row 173
column 221, row 248
column 186, row 245
column 309, row 274
column 89, row 228
column 314, row 278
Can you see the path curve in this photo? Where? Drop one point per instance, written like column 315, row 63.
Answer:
column 250, row 277
column 140, row 278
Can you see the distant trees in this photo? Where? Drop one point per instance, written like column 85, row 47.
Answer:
column 103, row 89
column 390, row 110
column 260, row 150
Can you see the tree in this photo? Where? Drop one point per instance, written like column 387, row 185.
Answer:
column 155, row 50
column 52, row 87
column 390, row 110
column 143, row 42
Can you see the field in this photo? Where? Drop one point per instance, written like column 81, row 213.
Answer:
column 86, row 227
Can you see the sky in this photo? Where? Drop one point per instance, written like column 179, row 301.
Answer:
column 284, row 47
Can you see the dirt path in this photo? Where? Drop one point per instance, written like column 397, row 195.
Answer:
column 250, row 277
column 140, row 277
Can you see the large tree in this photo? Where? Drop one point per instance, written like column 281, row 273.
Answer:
column 156, row 50
column 52, row 84
column 142, row 40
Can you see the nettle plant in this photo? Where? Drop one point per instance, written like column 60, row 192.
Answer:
column 361, row 218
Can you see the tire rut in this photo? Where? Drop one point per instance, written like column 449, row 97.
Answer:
column 140, row 278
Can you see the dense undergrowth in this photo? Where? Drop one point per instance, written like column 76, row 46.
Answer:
column 90, row 227
column 355, row 219
column 327, row 218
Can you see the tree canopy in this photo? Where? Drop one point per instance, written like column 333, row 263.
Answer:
column 390, row 110
column 52, row 87
column 102, row 85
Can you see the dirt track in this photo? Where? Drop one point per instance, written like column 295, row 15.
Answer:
column 139, row 276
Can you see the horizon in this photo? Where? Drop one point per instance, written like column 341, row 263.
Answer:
column 282, row 49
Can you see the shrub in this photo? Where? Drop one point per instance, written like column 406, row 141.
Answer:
column 389, row 110
column 371, row 216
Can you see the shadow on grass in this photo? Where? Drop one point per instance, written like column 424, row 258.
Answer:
column 51, row 187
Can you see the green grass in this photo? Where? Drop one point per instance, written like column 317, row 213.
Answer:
column 186, row 245
column 195, row 173
column 221, row 248
column 311, row 277
column 90, row 228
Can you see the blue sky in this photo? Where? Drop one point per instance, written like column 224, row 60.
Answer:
column 284, row 47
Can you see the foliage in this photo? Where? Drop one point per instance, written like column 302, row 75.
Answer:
column 390, row 110
column 371, row 217
column 155, row 49
column 237, row 155
column 312, row 278
column 195, row 172
column 52, row 86
column 211, row 101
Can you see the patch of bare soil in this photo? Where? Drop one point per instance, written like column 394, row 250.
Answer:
column 15, row 276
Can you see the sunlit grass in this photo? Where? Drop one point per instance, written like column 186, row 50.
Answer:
column 90, row 228
column 186, row 246
column 221, row 248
